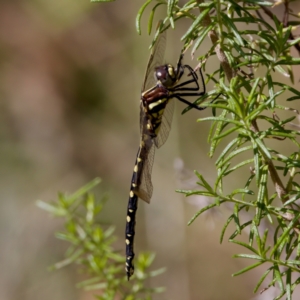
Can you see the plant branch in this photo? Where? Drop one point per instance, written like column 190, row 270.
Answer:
column 230, row 73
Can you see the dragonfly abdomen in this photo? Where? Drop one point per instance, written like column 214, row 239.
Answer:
column 130, row 231
column 137, row 190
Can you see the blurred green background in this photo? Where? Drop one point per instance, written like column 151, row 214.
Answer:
column 70, row 80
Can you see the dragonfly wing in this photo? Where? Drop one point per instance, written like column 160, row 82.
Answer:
column 165, row 124
column 145, row 187
column 147, row 149
column 156, row 59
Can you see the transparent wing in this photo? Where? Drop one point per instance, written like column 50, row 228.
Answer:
column 145, row 187
column 156, row 59
column 165, row 124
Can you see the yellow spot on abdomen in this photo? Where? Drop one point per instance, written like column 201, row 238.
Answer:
column 131, row 194
column 127, row 241
column 128, row 219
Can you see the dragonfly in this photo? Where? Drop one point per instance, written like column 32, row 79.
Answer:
column 156, row 112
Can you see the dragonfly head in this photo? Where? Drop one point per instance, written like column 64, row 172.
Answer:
column 166, row 75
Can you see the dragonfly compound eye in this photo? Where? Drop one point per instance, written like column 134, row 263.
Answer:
column 164, row 75
column 161, row 73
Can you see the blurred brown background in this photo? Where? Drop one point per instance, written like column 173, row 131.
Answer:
column 70, row 79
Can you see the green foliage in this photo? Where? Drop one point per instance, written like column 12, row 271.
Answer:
column 251, row 129
column 91, row 248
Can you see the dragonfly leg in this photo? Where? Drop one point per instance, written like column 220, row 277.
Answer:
column 187, row 102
